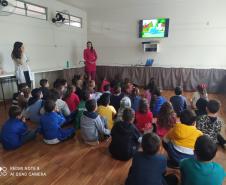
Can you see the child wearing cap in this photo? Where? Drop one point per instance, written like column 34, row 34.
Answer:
column 124, row 103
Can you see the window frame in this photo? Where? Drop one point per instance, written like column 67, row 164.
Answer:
column 26, row 10
column 69, row 19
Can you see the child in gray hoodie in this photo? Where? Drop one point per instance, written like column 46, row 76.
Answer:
column 92, row 124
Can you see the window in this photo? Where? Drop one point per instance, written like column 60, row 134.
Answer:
column 72, row 20
column 30, row 10
column 76, row 21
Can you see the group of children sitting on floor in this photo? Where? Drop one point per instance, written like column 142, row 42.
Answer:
column 131, row 119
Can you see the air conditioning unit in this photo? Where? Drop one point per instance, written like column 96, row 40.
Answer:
column 151, row 46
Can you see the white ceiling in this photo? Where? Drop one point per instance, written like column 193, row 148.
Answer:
column 99, row 4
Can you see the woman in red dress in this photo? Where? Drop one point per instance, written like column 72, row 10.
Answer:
column 90, row 58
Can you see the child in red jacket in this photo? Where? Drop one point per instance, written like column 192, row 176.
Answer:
column 71, row 98
column 144, row 117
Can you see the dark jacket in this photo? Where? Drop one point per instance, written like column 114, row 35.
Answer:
column 147, row 170
column 124, row 142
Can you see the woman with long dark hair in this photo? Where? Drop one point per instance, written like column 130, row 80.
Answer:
column 22, row 70
column 90, row 58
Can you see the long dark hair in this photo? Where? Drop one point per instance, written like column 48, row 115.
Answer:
column 17, row 53
column 70, row 89
column 167, row 116
column 89, row 42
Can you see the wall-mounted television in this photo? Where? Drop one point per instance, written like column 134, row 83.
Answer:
column 154, row 28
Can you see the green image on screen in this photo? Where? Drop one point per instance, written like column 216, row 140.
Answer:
column 153, row 28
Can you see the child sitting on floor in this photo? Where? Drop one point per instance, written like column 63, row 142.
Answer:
column 180, row 140
column 211, row 124
column 44, row 88
column 144, row 117
column 51, row 123
column 124, row 103
column 125, row 137
column 71, row 98
column 105, row 110
column 201, row 170
column 178, row 101
column 107, row 89
column 78, row 81
column 61, row 105
column 81, row 108
column 15, row 132
column 156, row 102
column 21, row 89
column 148, row 167
column 116, row 97
column 200, row 93
column 135, row 99
column 92, row 124
column 103, row 84
column 35, row 103
column 150, row 89
column 201, row 105
column 166, row 119
column 92, row 90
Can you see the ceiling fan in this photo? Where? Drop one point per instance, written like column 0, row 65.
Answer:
column 7, row 7
column 60, row 18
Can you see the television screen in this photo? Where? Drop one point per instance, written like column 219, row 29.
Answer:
column 154, row 28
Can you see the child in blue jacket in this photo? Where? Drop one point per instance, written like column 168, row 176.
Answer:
column 51, row 123
column 15, row 132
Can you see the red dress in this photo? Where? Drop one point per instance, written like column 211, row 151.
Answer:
column 90, row 58
column 144, row 121
column 72, row 101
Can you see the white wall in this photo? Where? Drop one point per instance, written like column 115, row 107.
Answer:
column 47, row 45
column 197, row 32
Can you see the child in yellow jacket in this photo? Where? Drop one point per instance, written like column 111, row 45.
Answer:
column 180, row 141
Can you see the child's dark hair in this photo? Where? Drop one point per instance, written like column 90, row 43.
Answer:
column 70, row 89
column 157, row 91
column 43, row 82
column 151, row 143
column 107, row 87
column 36, row 93
column 59, row 83
column 205, row 148
column 178, row 90
column 14, row 111
column 152, row 85
column 75, row 79
column 128, row 115
column 53, row 95
column 213, row 106
column 143, row 106
column 22, row 86
column 117, row 89
column 49, row 105
column 91, row 105
column 85, row 95
column 188, row 117
column 165, row 115
column 104, row 99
